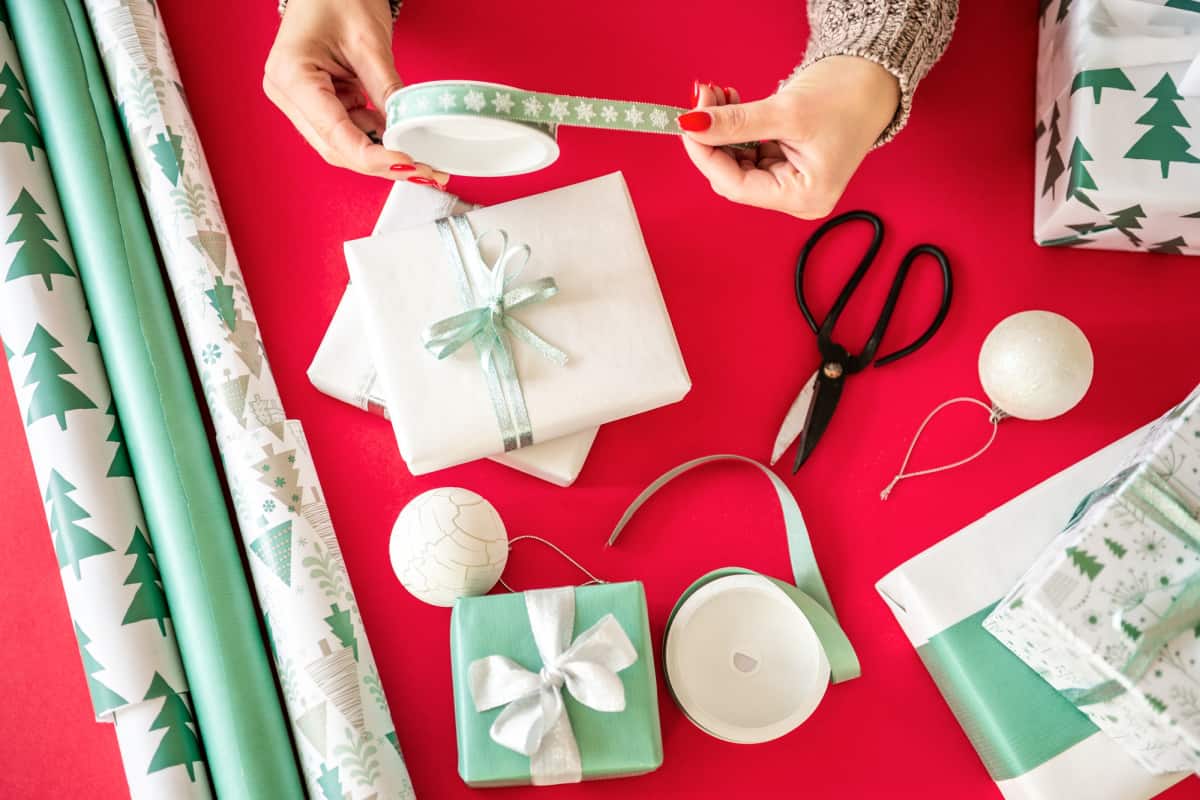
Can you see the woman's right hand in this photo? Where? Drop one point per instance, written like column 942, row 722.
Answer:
column 331, row 57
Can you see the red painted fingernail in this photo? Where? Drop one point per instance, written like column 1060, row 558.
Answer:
column 401, row 167
column 695, row 121
column 695, row 93
column 423, row 181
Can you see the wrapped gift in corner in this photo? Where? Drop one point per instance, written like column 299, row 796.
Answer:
column 1118, row 125
column 554, row 686
column 517, row 323
column 1109, row 613
column 342, row 367
column 1033, row 742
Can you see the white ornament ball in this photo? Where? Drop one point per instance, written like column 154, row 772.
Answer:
column 1036, row 365
column 448, row 543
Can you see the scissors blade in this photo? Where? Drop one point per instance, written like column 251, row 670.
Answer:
column 825, row 398
column 793, row 423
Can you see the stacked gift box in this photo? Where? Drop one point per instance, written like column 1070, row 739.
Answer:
column 1118, row 109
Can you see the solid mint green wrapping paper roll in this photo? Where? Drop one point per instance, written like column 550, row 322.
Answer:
column 236, row 701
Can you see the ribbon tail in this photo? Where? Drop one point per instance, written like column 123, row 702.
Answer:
column 511, row 395
column 543, row 348
column 557, row 760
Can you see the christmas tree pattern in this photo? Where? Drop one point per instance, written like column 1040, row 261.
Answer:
column 36, row 256
column 336, row 674
column 274, row 548
column 342, row 627
column 148, row 602
column 245, row 342
column 1054, row 163
column 1130, row 630
column 1126, row 221
column 211, row 244
column 1170, row 246
column 1100, row 79
column 8, row 354
column 167, row 150
column 312, row 724
column 1115, row 547
column 104, row 699
column 391, row 737
column 1085, row 562
column 179, row 746
column 1043, row 7
column 72, row 544
column 331, row 785
column 1079, row 178
column 220, row 297
column 278, row 472
column 1162, row 143
column 120, row 466
column 233, row 392
column 18, row 125
column 54, row 395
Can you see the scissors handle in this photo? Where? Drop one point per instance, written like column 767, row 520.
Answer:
column 885, row 316
column 844, row 296
column 824, row 330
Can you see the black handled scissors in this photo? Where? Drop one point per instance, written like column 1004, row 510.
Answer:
column 813, row 408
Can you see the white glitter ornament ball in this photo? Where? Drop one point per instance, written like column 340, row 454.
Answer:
column 1035, row 365
column 448, row 543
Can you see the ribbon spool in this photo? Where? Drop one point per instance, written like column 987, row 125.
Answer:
column 747, row 657
column 489, row 130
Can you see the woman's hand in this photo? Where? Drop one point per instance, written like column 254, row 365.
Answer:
column 812, row 135
column 329, row 59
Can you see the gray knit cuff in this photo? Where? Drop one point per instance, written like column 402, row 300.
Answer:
column 905, row 38
column 395, row 4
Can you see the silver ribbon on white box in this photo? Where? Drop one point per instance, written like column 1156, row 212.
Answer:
column 534, row 721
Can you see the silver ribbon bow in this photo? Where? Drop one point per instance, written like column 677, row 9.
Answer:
column 489, row 300
column 534, row 721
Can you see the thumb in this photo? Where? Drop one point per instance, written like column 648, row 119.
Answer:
column 376, row 69
column 733, row 123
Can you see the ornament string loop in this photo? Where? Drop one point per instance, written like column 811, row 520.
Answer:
column 591, row 578
column 994, row 417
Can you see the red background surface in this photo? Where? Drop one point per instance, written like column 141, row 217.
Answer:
column 960, row 176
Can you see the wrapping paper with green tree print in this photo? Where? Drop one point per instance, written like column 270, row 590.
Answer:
column 114, row 592
column 1102, row 596
column 343, row 729
column 1118, row 125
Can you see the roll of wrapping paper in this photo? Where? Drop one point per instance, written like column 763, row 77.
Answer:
column 114, row 592
column 343, row 730
column 235, row 698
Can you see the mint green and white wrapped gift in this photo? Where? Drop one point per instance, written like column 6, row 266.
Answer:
column 1118, row 125
column 554, row 686
column 1034, row 744
column 1109, row 613
column 343, row 366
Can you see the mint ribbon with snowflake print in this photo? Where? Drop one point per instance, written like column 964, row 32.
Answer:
column 542, row 111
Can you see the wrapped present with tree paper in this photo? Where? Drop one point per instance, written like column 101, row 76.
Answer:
column 343, row 367
column 1034, row 744
column 554, row 686
column 1109, row 613
column 518, row 323
column 1118, row 125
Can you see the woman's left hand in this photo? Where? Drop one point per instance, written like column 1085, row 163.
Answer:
column 812, row 134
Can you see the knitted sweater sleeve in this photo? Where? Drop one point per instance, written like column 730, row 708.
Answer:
column 905, row 37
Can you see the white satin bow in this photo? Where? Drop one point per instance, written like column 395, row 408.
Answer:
column 534, row 722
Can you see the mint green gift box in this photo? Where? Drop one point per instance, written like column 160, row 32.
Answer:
column 611, row 744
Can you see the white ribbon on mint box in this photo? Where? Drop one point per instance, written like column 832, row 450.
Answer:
column 534, row 721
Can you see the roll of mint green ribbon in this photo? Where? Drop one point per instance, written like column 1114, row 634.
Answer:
column 807, row 594
column 479, row 129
